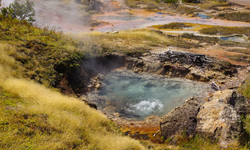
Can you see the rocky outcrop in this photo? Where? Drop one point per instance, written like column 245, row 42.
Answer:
column 220, row 118
column 152, row 64
column 79, row 77
column 204, row 75
column 180, row 119
column 174, row 70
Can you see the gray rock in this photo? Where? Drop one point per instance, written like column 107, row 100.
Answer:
column 84, row 98
column 92, row 105
column 220, row 119
column 180, row 119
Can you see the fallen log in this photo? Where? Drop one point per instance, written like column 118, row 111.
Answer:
column 184, row 57
column 215, row 86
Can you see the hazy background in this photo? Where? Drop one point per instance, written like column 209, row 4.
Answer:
column 64, row 15
column 7, row 2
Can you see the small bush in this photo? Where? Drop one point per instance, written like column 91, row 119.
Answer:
column 201, row 39
column 187, row 10
column 171, row 1
column 188, row 1
column 236, row 16
column 174, row 25
column 226, row 30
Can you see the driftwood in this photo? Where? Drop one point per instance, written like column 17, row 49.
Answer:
column 215, row 86
column 184, row 57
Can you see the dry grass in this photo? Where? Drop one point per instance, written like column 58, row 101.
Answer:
column 126, row 41
column 186, row 10
column 148, row 4
column 174, row 25
column 45, row 119
column 243, row 51
column 131, row 41
column 226, row 30
column 235, row 16
column 209, row 4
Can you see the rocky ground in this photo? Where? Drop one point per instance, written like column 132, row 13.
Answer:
column 218, row 119
column 226, row 76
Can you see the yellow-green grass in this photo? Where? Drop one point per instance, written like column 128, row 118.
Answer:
column 245, row 90
column 226, row 30
column 201, row 39
column 195, row 27
column 34, row 117
column 132, row 41
column 126, row 41
column 39, row 50
column 208, row 4
column 186, row 10
column 150, row 4
column 174, row 25
column 200, row 142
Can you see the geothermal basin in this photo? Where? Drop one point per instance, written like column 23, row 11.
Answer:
column 136, row 96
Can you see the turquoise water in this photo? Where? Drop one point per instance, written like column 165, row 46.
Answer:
column 141, row 95
column 203, row 16
column 234, row 38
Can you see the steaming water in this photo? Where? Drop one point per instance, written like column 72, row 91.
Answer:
column 141, row 95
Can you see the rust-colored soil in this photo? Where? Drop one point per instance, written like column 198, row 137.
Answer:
column 220, row 53
column 148, row 129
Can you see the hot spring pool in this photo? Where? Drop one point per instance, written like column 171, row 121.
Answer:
column 142, row 95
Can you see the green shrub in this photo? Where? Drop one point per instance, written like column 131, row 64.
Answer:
column 236, row 16
column 226, row 30
column 188, row 1
column 174, row 25
column 20, row 11
column 171, row 1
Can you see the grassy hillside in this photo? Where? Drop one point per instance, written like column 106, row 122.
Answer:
column 36, row 117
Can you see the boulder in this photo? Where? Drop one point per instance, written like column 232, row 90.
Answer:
column 175, row 70
column 180, row 119
column 132, row 63
column 220, row 119
column 92, row 105
column 84, row 98
column 204, row 75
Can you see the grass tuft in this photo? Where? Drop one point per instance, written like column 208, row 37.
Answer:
column 235, row 16
column 174, row 25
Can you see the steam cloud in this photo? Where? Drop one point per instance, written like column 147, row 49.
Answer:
column 63, row 15
column 6, row 2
